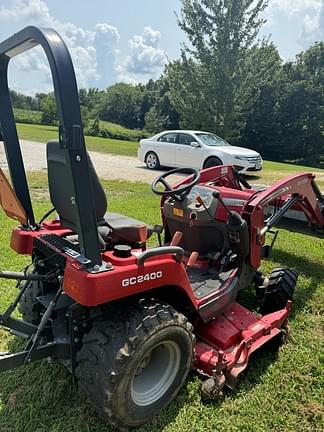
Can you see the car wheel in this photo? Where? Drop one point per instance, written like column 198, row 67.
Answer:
column 152, row 161
column 212, row 161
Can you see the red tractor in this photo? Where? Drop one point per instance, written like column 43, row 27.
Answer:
column 128, row 321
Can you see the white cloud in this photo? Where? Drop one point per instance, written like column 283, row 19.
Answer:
column 313, row 28
column 92, row 51
column 146, row 57
column 33, row 10
column 105, row 40
column 294, row 7
column 309, row 14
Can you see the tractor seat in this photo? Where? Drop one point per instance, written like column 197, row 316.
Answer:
column 112, row 227
column 121, row 228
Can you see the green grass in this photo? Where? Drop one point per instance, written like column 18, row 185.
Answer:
column 41, row 133
column 117, row 131
column 277, row 393
column 274, row 171
column 27, row 116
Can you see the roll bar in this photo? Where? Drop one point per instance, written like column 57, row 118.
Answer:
column 71, row 136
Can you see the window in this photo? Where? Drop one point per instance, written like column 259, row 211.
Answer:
column 168, row 138
column 185, row 139
column 212, row 140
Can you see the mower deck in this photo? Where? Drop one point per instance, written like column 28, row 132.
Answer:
column 225, row 344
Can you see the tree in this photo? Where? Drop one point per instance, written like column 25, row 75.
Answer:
column 257, row 98
column 161, row 114
column 220, row 32
column 154, row 122
column 49, row 110
column 304, row 103
column 94, row 128
column 121, row 103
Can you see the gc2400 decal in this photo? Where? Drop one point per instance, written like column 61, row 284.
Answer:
column 142, row 278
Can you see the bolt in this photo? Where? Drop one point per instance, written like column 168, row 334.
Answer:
column 75, row 329
column 84, row 325
column 78, row 158
column 96, row 268
column 76, row 340
column 72, row 199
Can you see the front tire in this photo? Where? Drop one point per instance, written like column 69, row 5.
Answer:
column 152, row 161
column 212, row 161
column 134, row 363
column 278, row 290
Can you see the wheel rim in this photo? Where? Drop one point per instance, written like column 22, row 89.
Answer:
column 151, row 160
column 155, row 373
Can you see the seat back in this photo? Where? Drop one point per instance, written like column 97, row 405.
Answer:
column 61, row 190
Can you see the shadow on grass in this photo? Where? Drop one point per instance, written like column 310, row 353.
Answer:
column 251, row 177
column 43, row 397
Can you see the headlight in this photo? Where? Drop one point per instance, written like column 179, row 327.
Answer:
column 251, row 159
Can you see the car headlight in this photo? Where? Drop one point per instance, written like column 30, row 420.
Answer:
column 251, row 159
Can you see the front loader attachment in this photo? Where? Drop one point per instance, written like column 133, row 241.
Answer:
column 296, row 198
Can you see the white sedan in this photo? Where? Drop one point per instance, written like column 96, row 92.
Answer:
column 195, row 149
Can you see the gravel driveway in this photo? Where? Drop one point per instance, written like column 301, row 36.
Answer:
column 109, row 167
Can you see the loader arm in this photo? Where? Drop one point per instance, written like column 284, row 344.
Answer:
column 297, row 190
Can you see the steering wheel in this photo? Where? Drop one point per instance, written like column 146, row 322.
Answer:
column 180, row 192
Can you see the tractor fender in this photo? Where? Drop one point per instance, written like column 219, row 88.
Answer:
column 127, row 280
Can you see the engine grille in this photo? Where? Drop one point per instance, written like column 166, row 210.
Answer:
column 254, row 159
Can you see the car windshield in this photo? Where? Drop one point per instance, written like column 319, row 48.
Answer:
column 212, row 140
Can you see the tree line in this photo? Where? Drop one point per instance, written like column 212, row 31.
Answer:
column 226, row 81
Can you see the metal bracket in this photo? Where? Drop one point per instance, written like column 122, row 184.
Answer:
column 12, row 361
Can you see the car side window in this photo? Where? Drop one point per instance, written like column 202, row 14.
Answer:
column 168, row 138
column 185, row 139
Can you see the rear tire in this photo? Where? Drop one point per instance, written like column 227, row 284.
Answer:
column 212, row 161
column 133, row 363
column 152, row 161
column 29, row 306
column 279, row 290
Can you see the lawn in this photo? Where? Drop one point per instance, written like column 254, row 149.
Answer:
column 272, row 171
column 278, row 392
column 41, row 133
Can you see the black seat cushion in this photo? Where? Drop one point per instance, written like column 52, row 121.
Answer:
column 121, row 228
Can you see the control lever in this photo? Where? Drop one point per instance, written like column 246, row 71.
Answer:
column 176, row 239
column 192, row 259
column 216, row 194
column 143, row 236
column 202, row 202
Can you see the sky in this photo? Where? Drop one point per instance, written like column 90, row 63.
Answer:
column 132, row 40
